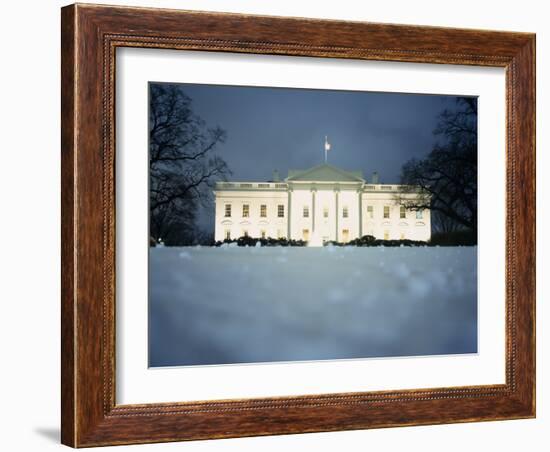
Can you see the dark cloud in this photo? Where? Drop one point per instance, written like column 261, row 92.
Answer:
column 283, row 128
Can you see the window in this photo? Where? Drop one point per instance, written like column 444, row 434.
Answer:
column 281, row 210
column 345, row 235
column 386, row 235
column 245, row 233
column 228, row 210
column 325, row 212
column 246, row 210
column 402, row 236
column 419, row 214
column 386, row 211
column 306, row 212
column 402, row 212
column 370, row 211
column 263, row 211
column 305, row 235
column 345, row 212
column 228, row 234
column 263, row 233
column 280, row 234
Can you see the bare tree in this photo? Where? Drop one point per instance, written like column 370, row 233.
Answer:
column 183, row 164
column 446, row 180
column 442, row 223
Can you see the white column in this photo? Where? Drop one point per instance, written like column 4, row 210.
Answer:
column 336, row 191
column 313, row 190
column 288, row 213
column 360, row 196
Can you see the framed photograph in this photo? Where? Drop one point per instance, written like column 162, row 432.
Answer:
column 281, row 225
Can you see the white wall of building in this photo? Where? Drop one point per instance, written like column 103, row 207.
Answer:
column 238, row 225
column 316, row 227
column 394, row 227
column 301, row 227
column 325, row 227
column 348, row 199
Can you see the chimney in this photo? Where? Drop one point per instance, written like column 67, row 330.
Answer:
column 276, row 176
column 375, row 179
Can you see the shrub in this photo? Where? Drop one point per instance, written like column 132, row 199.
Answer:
column 366, row 240
column 369, row 240
column 457, row 238
column 464, row 237
column 269, row 241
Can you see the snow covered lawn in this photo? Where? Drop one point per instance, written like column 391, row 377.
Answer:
column 238, row 305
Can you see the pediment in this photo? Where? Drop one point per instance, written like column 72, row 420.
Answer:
column 324, row 173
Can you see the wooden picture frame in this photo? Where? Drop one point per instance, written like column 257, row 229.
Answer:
column 90, row 36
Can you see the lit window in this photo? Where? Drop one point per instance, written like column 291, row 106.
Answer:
column 280, row 234
column 246, row 210
column 325, row 212
column 419, row 214
column 305, row 235
column 228, row 210
column 263, row 234
column 370, row 211
column 263, row 211
column 386, row 235
column 386, row 211
column 345, row 235
column 402, row 212
column 345, row 212
column 281, row 210
column 306, row 212
column 228, row 234
column 402, row 236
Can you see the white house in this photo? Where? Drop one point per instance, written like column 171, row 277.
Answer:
column 318, row 204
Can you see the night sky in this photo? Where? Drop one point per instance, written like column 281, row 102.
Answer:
column 282, row 128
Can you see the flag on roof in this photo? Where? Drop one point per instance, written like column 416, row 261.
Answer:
column 327, row 144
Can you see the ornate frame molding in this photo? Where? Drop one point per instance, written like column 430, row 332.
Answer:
column 90, row 36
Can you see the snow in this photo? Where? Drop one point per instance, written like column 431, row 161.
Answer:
column 262, row 304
